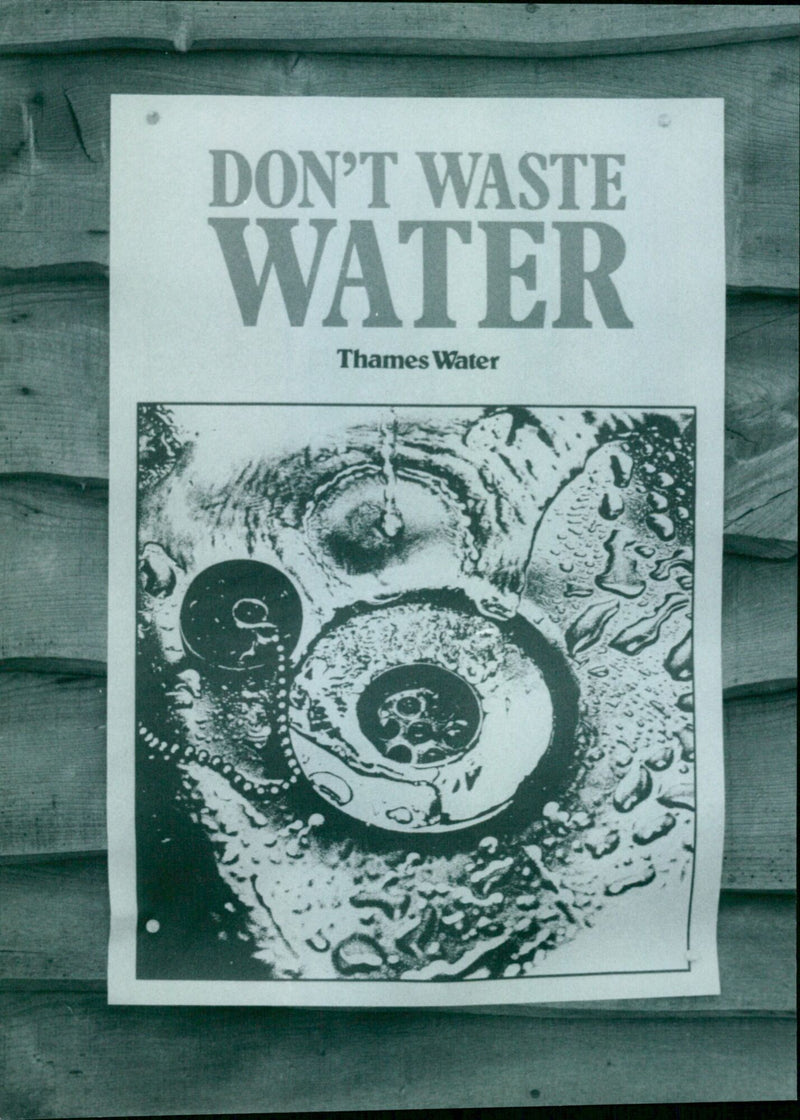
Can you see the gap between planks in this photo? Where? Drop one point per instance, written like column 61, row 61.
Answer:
column 502, row 30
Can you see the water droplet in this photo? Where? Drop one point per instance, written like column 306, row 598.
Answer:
column 331, row 787
column 541, row 940
column 658, row 501
column 662, row 526
column 365, row 901
column 648, row 831
column 660, row 758
column 638, row 879
column 416, row 941
column 391, row 521
column 401, row 815
column 679, row 797
column 678, row 661
column 622, row 756
column 493, row 608
column 600, row 842
column 527, row 901
column 633, row 788
column 620, row 575
column 358, row 954
column 319, row 942
column 157, row 571
column 685, row 702
column 668, row 564
column 152, row 925
column 548, row 912
column 574, row 592
column 621, row 467
column 488, row 844
column 556, row 817
column 588, row 628
column 488, row 877
column 646, row 631
column 611, row 505
column 686, row 739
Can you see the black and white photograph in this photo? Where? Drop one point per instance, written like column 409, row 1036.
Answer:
column 398, row 556
column 419, row 684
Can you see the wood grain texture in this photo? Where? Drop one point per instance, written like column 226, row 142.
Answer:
column 502, row 30
column 54, row 930
column 759, row 609
column 761, row 503
column 54, row 924
column 54, row 400
column 52, row 771
column 760, row 735
column 70, row 1055
column 761, row 425
column 53, row 571
column 52, row 764
column 53, row 575
column 54, row 378
column 55, row 117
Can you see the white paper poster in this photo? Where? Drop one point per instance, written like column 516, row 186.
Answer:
column 416, row 534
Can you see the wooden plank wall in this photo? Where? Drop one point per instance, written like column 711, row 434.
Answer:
column 63, row 1052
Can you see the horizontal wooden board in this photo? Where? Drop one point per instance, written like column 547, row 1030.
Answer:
column 504, row 30
column 761, row 353
column 761, row 503
column 70, row 1055
column 761, row 425
column 53, row 579
column 53, row 571
column 54, row 400
column 761, row 754
column 759, row 609
column 54, row 930
column 55, row 112
column 52, row 764
column 52, row 771
column 54, row 923
column 54, row 378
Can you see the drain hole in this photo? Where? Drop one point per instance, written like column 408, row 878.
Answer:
column 419, row 714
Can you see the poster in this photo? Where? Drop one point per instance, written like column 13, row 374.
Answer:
column 415, row 564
